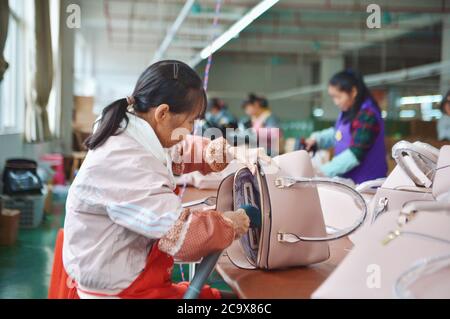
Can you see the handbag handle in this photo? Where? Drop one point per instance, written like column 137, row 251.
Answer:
column 422, row 155
column 412, row 208
column 409, row 211
column 425, row 266
column 421, row 268
column 208, row 201
column 370, row 187
column 286, row 182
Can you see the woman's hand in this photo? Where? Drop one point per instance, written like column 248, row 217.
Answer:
column 249, row 156
column 240, row 221
column 219, row 153
column 310, row 143
column 216, row 154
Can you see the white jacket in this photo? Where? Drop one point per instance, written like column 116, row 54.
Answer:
column 121, row 202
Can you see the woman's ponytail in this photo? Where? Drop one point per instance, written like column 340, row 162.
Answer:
column 109, row 124
column 168, row 82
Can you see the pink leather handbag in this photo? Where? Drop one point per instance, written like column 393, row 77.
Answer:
column 386, row 252
column 441, row 182
column 411, row 180
column 418, row 161
column 293, row 231
column 406, row 253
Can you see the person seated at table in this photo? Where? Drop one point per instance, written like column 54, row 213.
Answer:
column 218, row 116
column 261, row 126
column 443, row 126
column 124, row 222
column 358, row 135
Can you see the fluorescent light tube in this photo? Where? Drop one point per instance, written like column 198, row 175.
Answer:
column 236, row 28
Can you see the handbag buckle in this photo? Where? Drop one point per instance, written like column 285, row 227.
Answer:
column 284, row 182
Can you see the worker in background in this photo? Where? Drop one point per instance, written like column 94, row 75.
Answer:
column 261, row 126
column 358, row 135
column 443, row 126
column 218, row 116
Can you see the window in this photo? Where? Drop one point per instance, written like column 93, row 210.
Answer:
column 12, row 90
column 15, row 89
column 424, row 107
column 53, row 108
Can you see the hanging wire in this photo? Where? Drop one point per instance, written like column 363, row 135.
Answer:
column 209, row 62
column 205, row 86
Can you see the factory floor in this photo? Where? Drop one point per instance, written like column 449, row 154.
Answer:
column 25, row 267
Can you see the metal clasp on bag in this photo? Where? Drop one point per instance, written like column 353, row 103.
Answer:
column 405, row 216
column 407, row 213
column 288, row 238
column 284, row 182
column 381, row 208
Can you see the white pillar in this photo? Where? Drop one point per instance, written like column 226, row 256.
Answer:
column 445, row 53
column 329, row 65
column 67, row 41
column 393, row 100
column 304, row 78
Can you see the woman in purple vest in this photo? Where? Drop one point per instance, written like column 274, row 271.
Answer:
column 358, row 136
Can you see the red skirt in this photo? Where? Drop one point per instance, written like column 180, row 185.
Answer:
column 154, row 282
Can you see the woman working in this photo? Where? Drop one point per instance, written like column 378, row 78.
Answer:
column 358, row 135
column 443, row 127
column 124, row 223
column 218, row 116
column 261, row 126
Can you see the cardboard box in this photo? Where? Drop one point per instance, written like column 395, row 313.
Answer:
column 83, row 115
column 9, row 226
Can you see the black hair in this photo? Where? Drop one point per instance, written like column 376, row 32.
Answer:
column 253, row 98
column 216, row 103
column 166, row 82
column 347, row 80
column 444, row 101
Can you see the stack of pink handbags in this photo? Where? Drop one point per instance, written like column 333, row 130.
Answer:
column 403, row 249
column 411, row 180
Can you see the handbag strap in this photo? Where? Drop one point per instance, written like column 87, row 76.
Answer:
column 287, row 182
column 421, row 268
column 208, row 201
column 412, row 208
column 409, row 211
column 423, row 156
column 370, row 187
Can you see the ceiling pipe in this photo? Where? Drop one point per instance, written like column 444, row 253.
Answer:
column 108, row 19
column 292, row 26
column 130, row 23
column 170, row 35
column 225, row 16
column 351, row 7
column 233, row 31
column 328, row 6
column 408, row 74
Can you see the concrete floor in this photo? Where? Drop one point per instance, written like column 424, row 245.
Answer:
column 26, row 266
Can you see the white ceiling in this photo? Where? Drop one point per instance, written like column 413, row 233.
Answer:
column 290, row 27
